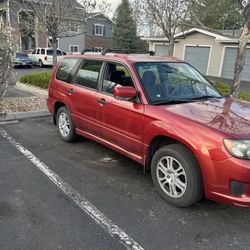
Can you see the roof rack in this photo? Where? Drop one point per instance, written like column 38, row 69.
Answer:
column 91, row 50
column 127, row 51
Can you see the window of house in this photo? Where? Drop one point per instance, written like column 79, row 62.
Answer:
column 66, row 69
column 88, row 74
column 50, row 42
column 74, row 27
column 73, row 48
column 99, row 30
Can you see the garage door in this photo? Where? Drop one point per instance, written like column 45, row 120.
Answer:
column 229, row 63
column 198, row 57
column 161, row 50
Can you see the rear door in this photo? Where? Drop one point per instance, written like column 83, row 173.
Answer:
column 76, row 82
column 83, row 96
column 120, row 121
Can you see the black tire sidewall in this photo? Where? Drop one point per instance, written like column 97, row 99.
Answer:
column 194, row 188
column 71, row 136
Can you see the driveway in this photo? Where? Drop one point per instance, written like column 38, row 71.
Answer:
column 57, row 195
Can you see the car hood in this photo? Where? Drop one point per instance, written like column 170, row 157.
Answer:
column 227, row 115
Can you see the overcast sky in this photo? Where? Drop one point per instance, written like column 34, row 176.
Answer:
column 114, row 5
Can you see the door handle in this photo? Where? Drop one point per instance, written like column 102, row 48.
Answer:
column 102, row 101
column 70, row 91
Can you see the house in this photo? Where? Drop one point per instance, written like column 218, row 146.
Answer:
column 96, row 32
column 212, row 52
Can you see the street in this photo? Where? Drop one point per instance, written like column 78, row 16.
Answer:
column 37, row 212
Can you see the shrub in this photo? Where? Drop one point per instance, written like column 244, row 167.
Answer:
column 224, row 89
column 39, row 79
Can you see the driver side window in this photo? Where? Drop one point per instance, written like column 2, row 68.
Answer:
column 116, row 75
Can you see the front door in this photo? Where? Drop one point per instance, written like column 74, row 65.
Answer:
column 120, row 121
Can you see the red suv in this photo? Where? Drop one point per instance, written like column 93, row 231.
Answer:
column 162, row 113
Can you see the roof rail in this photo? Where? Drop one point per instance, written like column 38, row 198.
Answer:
column 90, row 50
column 127, row 51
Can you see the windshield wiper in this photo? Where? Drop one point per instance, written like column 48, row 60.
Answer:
column 206, row 97
column 178, row 101
column 174, row 101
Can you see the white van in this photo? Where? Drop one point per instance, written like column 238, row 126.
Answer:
column 44, row 56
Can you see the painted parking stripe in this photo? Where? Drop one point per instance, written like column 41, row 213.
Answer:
column 80, row 200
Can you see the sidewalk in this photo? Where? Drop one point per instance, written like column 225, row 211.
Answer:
column 23, row 101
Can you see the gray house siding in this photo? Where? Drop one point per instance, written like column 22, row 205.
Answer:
column 71, row 39
column 105, row 22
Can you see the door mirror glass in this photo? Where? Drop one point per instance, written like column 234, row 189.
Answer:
column 124, row 93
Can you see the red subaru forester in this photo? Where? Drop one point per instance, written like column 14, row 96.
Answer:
column 162, row 113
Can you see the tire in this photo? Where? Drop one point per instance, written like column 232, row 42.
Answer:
column 176, row 175
column 65, row 125
column 40, row 63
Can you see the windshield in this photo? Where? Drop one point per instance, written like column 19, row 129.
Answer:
column 166, row 82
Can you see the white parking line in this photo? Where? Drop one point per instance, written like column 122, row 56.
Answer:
column 80, row 200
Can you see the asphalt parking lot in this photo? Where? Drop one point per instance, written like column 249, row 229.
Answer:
column 108, row 203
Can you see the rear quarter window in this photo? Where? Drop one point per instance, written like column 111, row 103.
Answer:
column 66, row 69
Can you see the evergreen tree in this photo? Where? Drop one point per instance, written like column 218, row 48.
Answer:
column 222, row 14
column 124, row 35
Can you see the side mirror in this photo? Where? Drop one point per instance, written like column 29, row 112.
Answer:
column 124, row 93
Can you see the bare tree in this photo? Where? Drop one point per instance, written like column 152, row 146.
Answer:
column 166, row 15
column 56, row 17
column 7, row 49
column 241, row 51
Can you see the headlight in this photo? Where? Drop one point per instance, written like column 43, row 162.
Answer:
column 238, row 148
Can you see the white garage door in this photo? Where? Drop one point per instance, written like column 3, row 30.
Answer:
column 229, row 63
column 198, row 57
column 161, row 50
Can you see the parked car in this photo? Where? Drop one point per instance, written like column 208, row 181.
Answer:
column 21, row 59
column 162, row 113
column 44, row 56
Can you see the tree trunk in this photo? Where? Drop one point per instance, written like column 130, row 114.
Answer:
column 241, row 52
column 239, row 64
column 171, row 47
column 54, row 46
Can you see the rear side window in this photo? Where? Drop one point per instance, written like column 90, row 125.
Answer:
column 42, row 51
column 50, row 52
column 88, row 74
column 66, row 70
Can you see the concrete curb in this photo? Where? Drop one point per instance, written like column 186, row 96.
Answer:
column 31, row 89
column 4, row 117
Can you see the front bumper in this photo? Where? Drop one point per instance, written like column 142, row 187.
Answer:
column 220, row 177
column 20, row 63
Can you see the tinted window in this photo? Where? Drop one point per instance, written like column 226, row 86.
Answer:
column 50, row 52
column 66, row 70
column 43, row 51
column 88, row 74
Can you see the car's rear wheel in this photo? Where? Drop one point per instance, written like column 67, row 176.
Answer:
column 176, row 175
column 65, row 125
column 40, row 63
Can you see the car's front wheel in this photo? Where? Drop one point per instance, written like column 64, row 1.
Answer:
column 65, row 125
column 176, row 175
